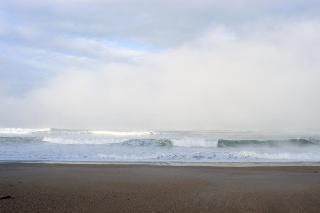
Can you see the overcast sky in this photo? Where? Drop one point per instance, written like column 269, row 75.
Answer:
column 160, row 64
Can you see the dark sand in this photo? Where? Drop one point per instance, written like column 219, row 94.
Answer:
column 121, row 188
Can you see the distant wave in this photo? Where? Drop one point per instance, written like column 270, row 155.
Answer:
column 67, row 131
column 24, row 131
column 289, row 142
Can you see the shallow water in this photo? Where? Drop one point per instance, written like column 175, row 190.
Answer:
column 63, row 145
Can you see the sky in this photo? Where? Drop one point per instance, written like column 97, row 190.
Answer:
column 160, row 64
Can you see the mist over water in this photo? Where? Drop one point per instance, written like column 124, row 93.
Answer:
column 160, row 65
column 63, row 145
column 225, row 78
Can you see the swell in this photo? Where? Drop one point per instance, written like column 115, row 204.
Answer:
column 20, row 140
column 272, row 143
column 148, row 142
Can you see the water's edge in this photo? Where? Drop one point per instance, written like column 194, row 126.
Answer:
column 172, row 164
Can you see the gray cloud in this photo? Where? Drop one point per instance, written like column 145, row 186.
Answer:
column 154, row 23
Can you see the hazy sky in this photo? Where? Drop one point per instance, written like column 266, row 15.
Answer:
column 160, row 64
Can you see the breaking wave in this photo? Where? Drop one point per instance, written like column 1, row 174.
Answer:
column 50, row 144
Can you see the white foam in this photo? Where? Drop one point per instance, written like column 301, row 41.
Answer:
column 121, row 133
column 61, row 140
column 21, row 131
column 194, row 142
column 277, row 156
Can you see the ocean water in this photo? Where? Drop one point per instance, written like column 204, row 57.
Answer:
column 63, row 145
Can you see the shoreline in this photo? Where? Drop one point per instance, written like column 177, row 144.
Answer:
column 173, row 164
column 31, row 187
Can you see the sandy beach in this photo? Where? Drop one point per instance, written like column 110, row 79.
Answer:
column 140, row 188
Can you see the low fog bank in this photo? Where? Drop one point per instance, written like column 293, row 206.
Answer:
column 254, row 78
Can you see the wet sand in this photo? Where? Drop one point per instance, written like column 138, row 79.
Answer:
column 139, row 188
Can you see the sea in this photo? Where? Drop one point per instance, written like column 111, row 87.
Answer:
column 156, row 147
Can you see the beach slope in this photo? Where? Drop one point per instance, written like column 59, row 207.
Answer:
column 139, row 188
